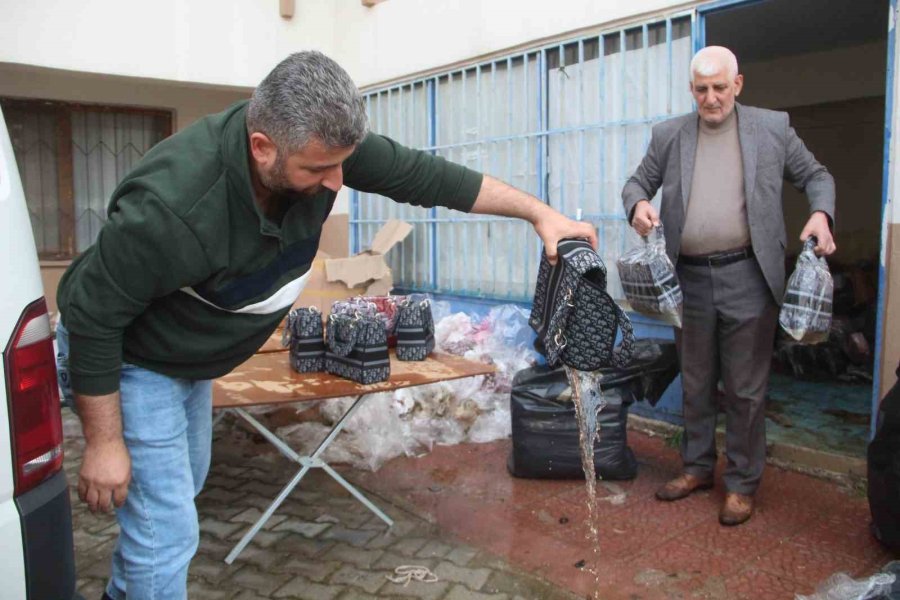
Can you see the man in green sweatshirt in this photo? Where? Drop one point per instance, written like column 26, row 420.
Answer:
column 209, row 242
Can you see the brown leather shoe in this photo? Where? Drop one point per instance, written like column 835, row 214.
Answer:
column 682, row 487
column 736, row 509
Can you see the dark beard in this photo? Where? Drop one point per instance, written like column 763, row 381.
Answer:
column 277, row 182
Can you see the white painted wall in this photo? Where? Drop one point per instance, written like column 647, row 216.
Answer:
column 236, row 42
column 227, row 42
column 399, row 37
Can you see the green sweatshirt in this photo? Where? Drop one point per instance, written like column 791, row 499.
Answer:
column 188, row 277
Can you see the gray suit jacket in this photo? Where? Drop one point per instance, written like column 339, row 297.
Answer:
column 771, row 152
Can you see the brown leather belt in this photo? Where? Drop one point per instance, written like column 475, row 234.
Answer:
column 720, row 259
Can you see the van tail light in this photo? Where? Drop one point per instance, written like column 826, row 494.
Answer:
column 33, row 399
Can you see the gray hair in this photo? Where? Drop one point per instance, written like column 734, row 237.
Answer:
column 308, row 96
column 711, row 60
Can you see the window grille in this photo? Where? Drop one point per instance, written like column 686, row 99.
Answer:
column 568, row 123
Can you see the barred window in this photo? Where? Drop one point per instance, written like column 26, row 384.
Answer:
column 70, row 159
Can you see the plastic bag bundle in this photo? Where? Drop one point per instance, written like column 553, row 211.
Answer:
column 841, row 586
column 806, row 310
column 649, row 280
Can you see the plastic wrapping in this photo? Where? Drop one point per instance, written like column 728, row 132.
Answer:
column 841, row 586
column 545, row 432
column 807, row 307
column 649, row 280
column 410, row 421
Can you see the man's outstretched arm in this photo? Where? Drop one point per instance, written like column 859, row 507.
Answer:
column 498, row 198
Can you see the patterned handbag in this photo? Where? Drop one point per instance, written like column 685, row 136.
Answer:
column 357, row 348
column 304, row 336
column 575, row 319
column 414, row 330
column 384, row 307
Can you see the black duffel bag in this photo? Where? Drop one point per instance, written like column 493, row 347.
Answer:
column 884, row 471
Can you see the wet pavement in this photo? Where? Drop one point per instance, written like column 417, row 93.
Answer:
column 320, row 544
column 485, row 534
column 804, row 529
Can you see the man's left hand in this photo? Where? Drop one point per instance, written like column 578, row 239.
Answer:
column 555, row 226
column 817, row 225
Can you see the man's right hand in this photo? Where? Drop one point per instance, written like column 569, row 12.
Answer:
column 645, row 217
column 105, row 465
column 105, row 474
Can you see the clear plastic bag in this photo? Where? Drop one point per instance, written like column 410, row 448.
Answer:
column 649, row 280
column 806, row 310
column 841, row 586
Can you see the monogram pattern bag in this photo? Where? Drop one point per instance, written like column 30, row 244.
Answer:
column 357, row 348
column 384, row 307
column 575, row 319
column 304, row 336
column 414, row 330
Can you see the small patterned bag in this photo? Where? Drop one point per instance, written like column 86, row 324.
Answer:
column 357, row 348
column 414, row 330
column 649, row 280
column 575, row 319
column 384, row 307
column 806, row 311
column 304, row 336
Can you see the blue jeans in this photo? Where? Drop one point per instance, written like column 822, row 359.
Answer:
column 167, row 425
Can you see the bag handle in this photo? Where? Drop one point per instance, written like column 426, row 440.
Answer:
column 341, row 347
column 657, row 232
column 622, row 353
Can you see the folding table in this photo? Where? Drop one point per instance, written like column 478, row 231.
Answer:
column 267, row 379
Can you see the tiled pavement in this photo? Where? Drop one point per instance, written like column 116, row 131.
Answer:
column 805, row 529
column 488, row 535
column 320, row 545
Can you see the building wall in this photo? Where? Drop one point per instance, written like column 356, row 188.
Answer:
column 224, row 42
column 236, row 42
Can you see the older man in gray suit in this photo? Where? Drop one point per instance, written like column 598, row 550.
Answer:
column 721, row 172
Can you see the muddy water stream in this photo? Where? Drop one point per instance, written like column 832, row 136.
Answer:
column 588, row 399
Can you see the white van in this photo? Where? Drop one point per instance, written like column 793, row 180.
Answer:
column 36, row 547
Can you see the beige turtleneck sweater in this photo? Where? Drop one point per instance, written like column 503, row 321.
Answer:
column 716, row 218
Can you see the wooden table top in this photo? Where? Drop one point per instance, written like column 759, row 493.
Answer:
column 268, row 378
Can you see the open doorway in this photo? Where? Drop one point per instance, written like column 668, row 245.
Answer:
column 825, row 63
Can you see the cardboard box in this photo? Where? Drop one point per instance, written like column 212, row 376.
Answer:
column 365, row 274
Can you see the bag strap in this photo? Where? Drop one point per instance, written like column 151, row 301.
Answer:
column 347, row 323
column 622, row 353
column 555, row 339
column 287, row 332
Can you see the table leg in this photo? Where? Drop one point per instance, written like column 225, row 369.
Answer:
column 307, row 462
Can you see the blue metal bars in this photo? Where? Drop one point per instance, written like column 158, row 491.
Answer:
column 567, row 122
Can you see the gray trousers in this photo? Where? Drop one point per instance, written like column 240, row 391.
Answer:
column 727, row 333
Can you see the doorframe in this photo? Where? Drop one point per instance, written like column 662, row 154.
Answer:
column 886, row 180
column 699, row 42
